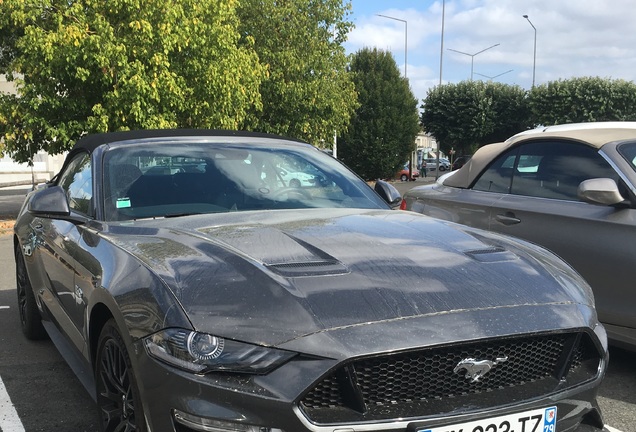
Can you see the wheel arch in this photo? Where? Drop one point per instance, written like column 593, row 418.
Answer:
column 16, row 244
column 100, row 315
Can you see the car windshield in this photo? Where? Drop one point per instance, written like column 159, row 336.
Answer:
column 181, row 177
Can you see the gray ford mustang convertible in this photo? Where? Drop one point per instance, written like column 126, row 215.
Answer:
column 196, row 287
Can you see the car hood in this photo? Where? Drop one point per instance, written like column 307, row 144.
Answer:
column 271, row 277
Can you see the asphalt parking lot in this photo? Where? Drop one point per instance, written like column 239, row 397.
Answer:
column 11, row 199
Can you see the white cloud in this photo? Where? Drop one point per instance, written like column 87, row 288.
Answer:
column 574, row 38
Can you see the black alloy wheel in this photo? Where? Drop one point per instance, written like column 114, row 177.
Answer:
column 118, row 400
column 30, row 319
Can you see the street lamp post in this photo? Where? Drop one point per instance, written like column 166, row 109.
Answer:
column 406, row 30
column 534, row 58
column 472, row 57
column 493, row 77
column 441, row 50
column 441, row 62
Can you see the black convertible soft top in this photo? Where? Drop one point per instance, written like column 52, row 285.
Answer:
column 91, row 142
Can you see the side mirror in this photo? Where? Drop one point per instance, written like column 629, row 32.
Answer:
column 50, row 202
column 388, row 193
column 603, row 191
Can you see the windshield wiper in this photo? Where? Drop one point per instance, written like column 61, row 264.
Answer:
column 173, row 215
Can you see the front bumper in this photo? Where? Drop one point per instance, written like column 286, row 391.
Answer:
column 177, row 401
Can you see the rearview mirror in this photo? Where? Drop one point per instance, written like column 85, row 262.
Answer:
column 602, row 191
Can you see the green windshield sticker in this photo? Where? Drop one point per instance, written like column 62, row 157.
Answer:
column 123, row 203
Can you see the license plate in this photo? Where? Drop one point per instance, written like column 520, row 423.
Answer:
column 539, row 420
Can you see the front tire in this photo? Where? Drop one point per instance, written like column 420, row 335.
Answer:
column 30, row 318
column 118, row 399
column 404, row 177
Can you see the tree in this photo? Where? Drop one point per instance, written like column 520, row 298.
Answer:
column 583, row 99
column 472, row 113
column 307, row 92
column 509, row 111
column 382, row 132
column 95, row 66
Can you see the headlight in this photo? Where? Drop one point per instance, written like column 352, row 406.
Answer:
column 201, row 352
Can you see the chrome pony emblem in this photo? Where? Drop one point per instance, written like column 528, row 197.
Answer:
column 475, row 369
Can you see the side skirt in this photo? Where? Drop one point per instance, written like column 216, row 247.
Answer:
column 75, row 361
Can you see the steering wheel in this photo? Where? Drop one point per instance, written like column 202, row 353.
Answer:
column 290, row 192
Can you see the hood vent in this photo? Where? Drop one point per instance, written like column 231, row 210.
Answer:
column 491, row 254
column 309, row 268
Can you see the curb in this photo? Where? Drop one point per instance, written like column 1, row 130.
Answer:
column 22, row 183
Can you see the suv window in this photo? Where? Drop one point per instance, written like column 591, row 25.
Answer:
column 498, row 176
column 77, row 181
column 628, row 151
column 547, row 169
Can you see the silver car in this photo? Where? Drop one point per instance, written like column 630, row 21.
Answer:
column 431, row 164
column 570, row 188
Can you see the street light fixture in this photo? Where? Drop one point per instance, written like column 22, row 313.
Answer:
column 534, row 58
column 472, row 57
column 405, row 36
column 493, row 77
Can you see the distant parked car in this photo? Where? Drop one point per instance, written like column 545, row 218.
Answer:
column 431, row 164
column 296, row 179
column 570, row 188
column 404, row 174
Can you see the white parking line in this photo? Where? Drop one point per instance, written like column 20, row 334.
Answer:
column 5, row 307
column 611, row 429
column 9, row 420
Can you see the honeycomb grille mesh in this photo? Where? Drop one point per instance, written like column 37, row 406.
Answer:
column 411, row 376
column 393, row 383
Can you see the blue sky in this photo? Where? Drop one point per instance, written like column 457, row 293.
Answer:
column 574, row 38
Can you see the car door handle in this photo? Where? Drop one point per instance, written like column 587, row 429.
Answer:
column 508, row 218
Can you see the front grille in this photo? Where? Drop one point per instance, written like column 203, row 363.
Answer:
column 430, row 382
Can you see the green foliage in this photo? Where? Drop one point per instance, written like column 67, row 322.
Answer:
column 468, row 114
column 584, row 99
column 472, row 113
column 382, row 132
column 94, row 66
column 307, row 93
column 508, row 112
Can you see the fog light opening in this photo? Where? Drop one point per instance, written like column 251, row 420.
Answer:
column 204, row 424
